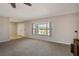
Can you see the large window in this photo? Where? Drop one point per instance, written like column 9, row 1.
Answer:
column 41, row 29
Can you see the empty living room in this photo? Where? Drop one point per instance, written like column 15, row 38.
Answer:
column 39, row 29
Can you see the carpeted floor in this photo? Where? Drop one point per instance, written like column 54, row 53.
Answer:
column 31, row 47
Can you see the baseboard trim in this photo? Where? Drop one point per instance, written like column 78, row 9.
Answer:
column 35, row 39
column 53, row 41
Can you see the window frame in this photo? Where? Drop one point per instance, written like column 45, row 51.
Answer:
column 47, row 24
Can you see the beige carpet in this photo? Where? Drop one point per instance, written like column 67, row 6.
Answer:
column 31, row 47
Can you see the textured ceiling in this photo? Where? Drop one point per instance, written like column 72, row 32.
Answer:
column 37, row 10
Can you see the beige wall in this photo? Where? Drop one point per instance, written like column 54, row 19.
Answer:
column 4, row 29
column 63, row 28
column 16, row 29
column 20, row 29
column 13, row 29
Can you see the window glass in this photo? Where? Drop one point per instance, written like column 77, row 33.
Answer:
column 41, row 29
